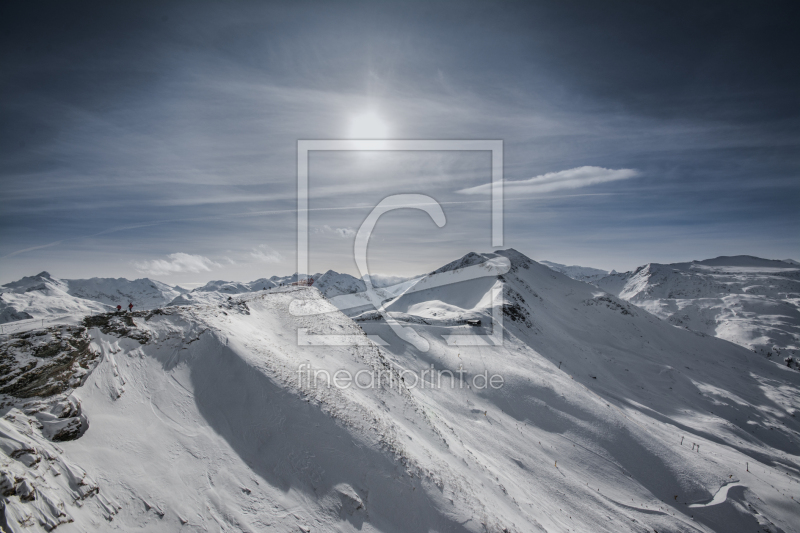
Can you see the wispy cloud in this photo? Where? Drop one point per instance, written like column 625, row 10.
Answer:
column 265, row 254
column 573, row 178
column 32, row 248
column 341, row 232
column 176, row 263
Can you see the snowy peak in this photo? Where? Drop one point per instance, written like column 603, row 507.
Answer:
column 43, row 296
column 516, row 258
column 470, row 259
column 463, row 289
column 332, row 283
column 143, row 293
column 41, row 281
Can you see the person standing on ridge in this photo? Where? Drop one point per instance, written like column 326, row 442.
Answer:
column 130, row 307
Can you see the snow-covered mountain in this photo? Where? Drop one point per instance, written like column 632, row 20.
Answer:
column 329, row 284
column 591, row 415
column 220, row 290
column 143, row 293
column 747, row 300
column 235, row 287
column 581, row 273
column 332, row 284
column 42, row 296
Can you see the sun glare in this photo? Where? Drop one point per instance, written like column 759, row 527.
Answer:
column 368, row 126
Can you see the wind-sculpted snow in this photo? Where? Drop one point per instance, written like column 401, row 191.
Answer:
column 604, row 418
column 750, row 301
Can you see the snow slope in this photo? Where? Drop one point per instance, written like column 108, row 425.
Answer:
column 200, row 417
column 750, row 301
column 43, row 296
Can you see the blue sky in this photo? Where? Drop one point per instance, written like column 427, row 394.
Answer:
column 159, row 139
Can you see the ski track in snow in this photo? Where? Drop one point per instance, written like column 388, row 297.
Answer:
column 719, row 497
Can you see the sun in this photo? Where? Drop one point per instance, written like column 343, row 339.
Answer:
column 368, row 126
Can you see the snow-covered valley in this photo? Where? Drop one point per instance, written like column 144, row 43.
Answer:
column 212, row 416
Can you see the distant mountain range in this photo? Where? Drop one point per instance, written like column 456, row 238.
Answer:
column 43, row 296
column 580, row 273
column 747, row 300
